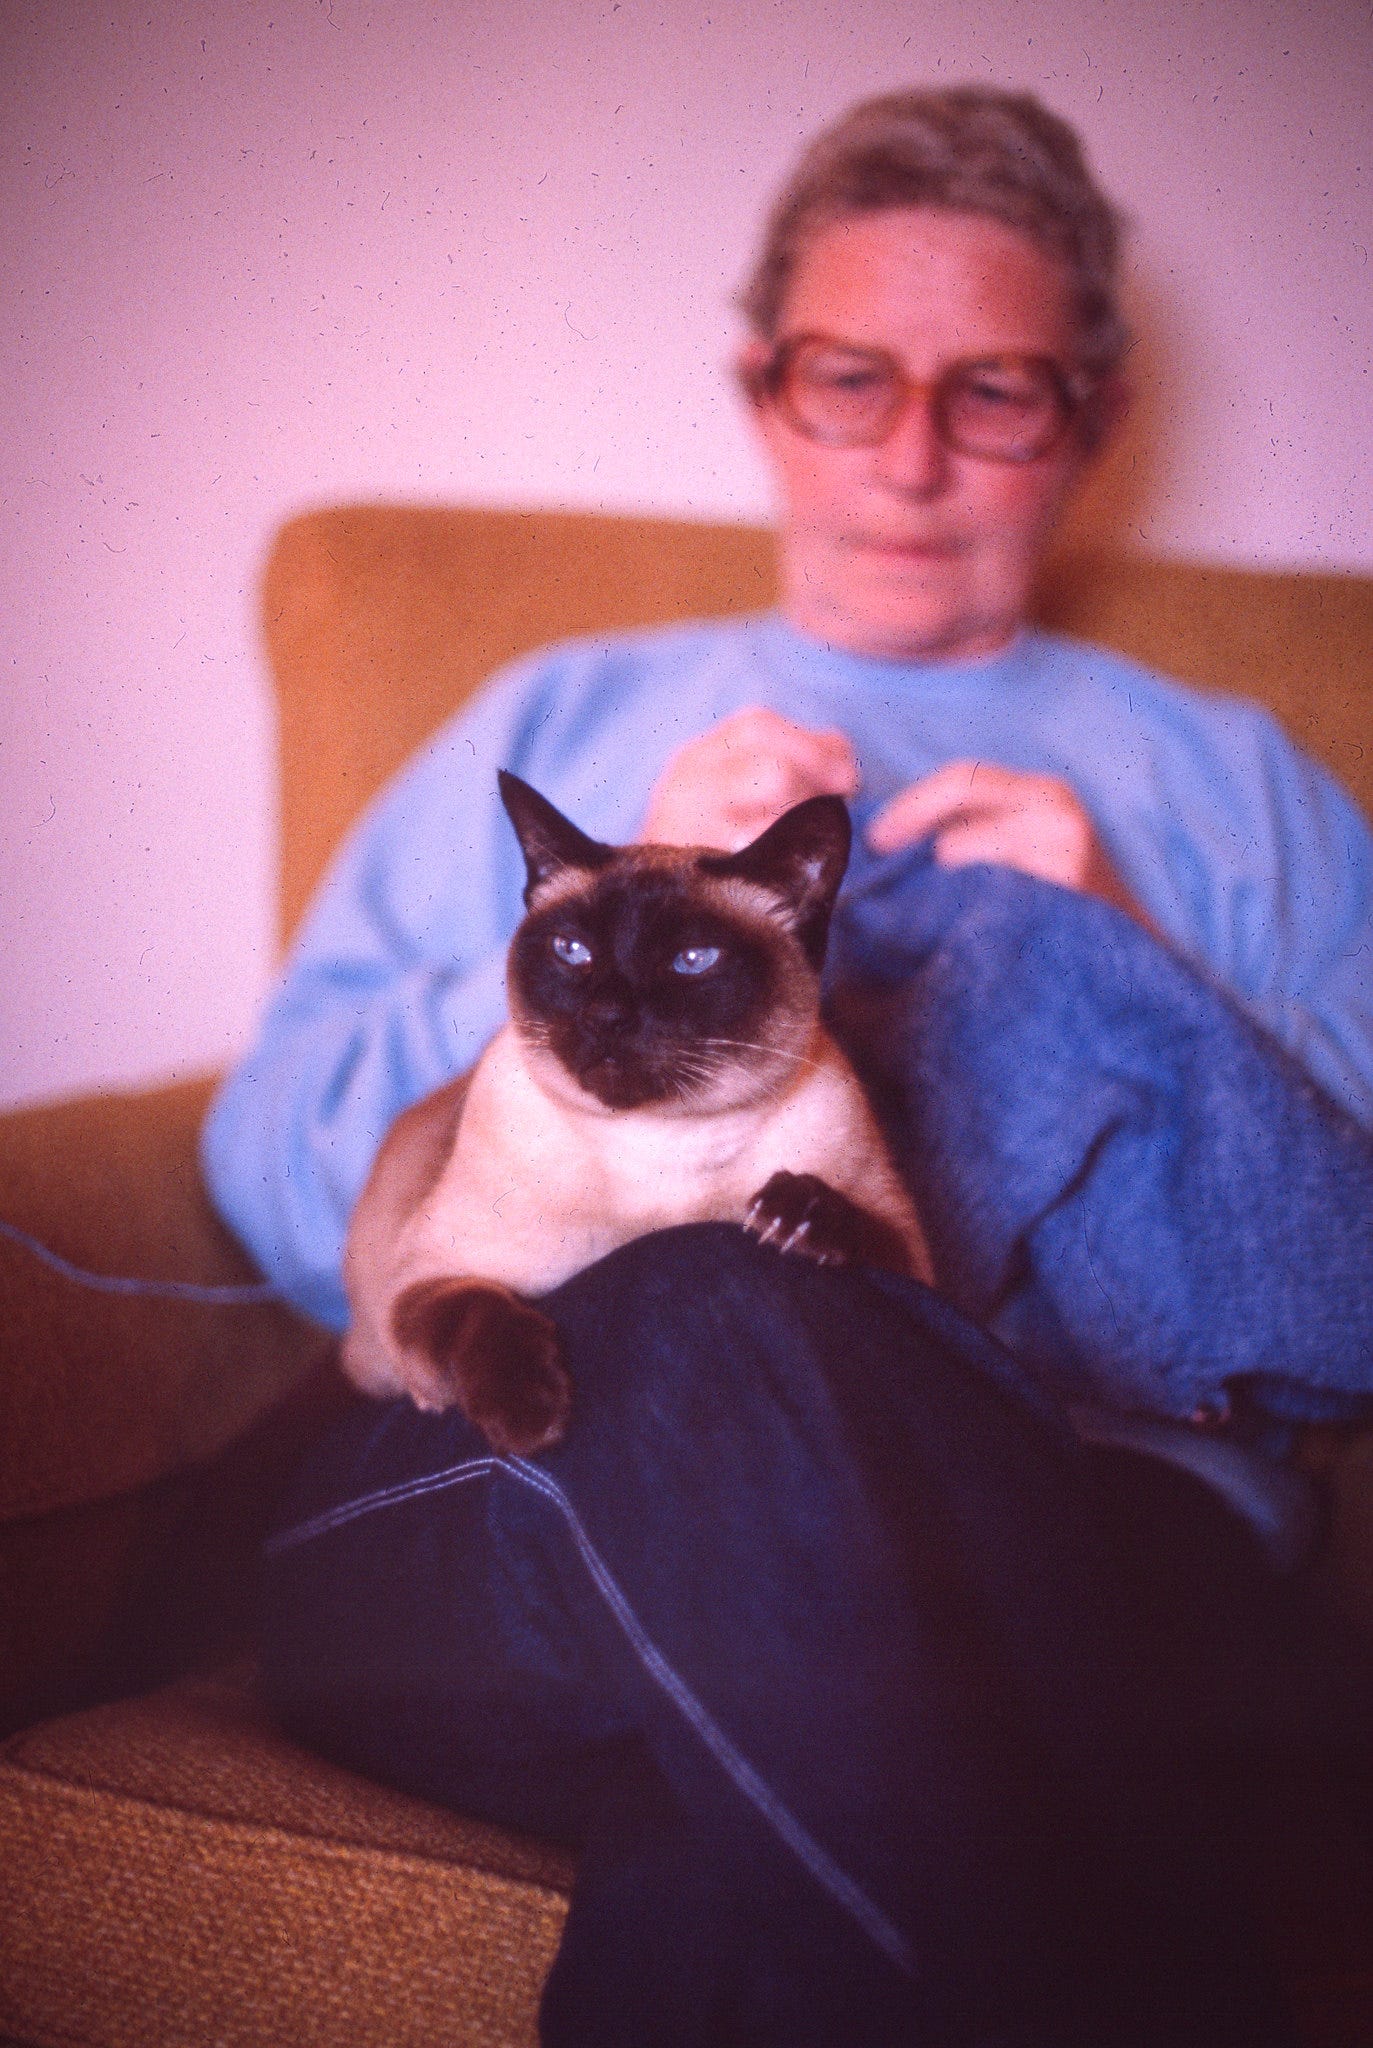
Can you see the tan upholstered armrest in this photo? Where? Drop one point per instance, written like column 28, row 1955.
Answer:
column 101, row 1394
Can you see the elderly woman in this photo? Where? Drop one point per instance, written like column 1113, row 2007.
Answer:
column 837, row 1678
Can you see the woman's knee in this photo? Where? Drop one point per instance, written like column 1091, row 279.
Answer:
column 703, row 1306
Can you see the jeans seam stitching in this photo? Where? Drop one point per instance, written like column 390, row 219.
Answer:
column 369, row 1503
column 821, row 1866
column 813, row 1858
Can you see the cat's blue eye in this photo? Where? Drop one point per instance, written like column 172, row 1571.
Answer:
column 572, row 952
column 695, row 959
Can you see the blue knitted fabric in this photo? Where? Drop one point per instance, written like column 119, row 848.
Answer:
column 1122, row 1175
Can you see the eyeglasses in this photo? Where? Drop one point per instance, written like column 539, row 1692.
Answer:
column 1009, row 408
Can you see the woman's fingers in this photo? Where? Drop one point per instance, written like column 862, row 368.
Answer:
column 976, row 811
column 960, row 789
column 727, row 786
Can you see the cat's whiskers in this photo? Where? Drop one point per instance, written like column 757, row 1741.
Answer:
column 776, row 1052
column 690, row 1075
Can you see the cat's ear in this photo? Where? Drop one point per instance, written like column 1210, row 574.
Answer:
column 550, row 842
column 801, row 859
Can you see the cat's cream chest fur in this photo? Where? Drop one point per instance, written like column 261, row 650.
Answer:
column 536, row 1186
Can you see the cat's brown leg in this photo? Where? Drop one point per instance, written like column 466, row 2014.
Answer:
column 497, row 1357
column 804, row 1215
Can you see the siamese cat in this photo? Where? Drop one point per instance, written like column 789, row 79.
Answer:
column 664, row 1063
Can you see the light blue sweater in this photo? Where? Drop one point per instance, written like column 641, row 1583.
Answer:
column 1245, row 853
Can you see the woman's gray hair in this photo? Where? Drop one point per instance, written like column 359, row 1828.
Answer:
column 965, row 149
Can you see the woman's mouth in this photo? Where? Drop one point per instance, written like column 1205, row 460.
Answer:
column 897, row 549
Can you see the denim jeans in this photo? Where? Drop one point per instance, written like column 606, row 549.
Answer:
column 820, row 1638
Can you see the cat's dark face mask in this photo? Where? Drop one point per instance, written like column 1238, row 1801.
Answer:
column 659, row 975
column 641, row 990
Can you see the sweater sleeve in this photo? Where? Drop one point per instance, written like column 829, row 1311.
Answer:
column 1262, row 869
column 1244, row 850
column 1304, row 957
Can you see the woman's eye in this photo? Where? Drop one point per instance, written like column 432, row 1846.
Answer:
column 845, row 379
column 695, row 959
column 994, row 385
column 999, row 395
column 849, row 380
column 572, row 952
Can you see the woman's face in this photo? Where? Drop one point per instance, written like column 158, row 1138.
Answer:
column 908, row 549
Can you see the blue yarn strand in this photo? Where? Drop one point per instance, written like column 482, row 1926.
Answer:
column 242, row 1295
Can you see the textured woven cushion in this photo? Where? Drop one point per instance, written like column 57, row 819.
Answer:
column 177, row 1872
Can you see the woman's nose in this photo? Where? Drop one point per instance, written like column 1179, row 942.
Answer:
column 913, row 458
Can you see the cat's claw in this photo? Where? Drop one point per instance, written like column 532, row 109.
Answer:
column 803, row 1216
column 768, row 1229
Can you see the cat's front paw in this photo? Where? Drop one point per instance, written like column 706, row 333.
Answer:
column 803, row 1215
column 477, row 1344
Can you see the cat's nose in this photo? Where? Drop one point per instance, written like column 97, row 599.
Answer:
column 607, row 1011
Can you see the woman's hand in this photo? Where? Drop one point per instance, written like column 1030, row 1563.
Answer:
column 975, row 811
column 726, row 787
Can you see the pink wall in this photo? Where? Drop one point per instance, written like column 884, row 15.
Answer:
column 262, row 255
